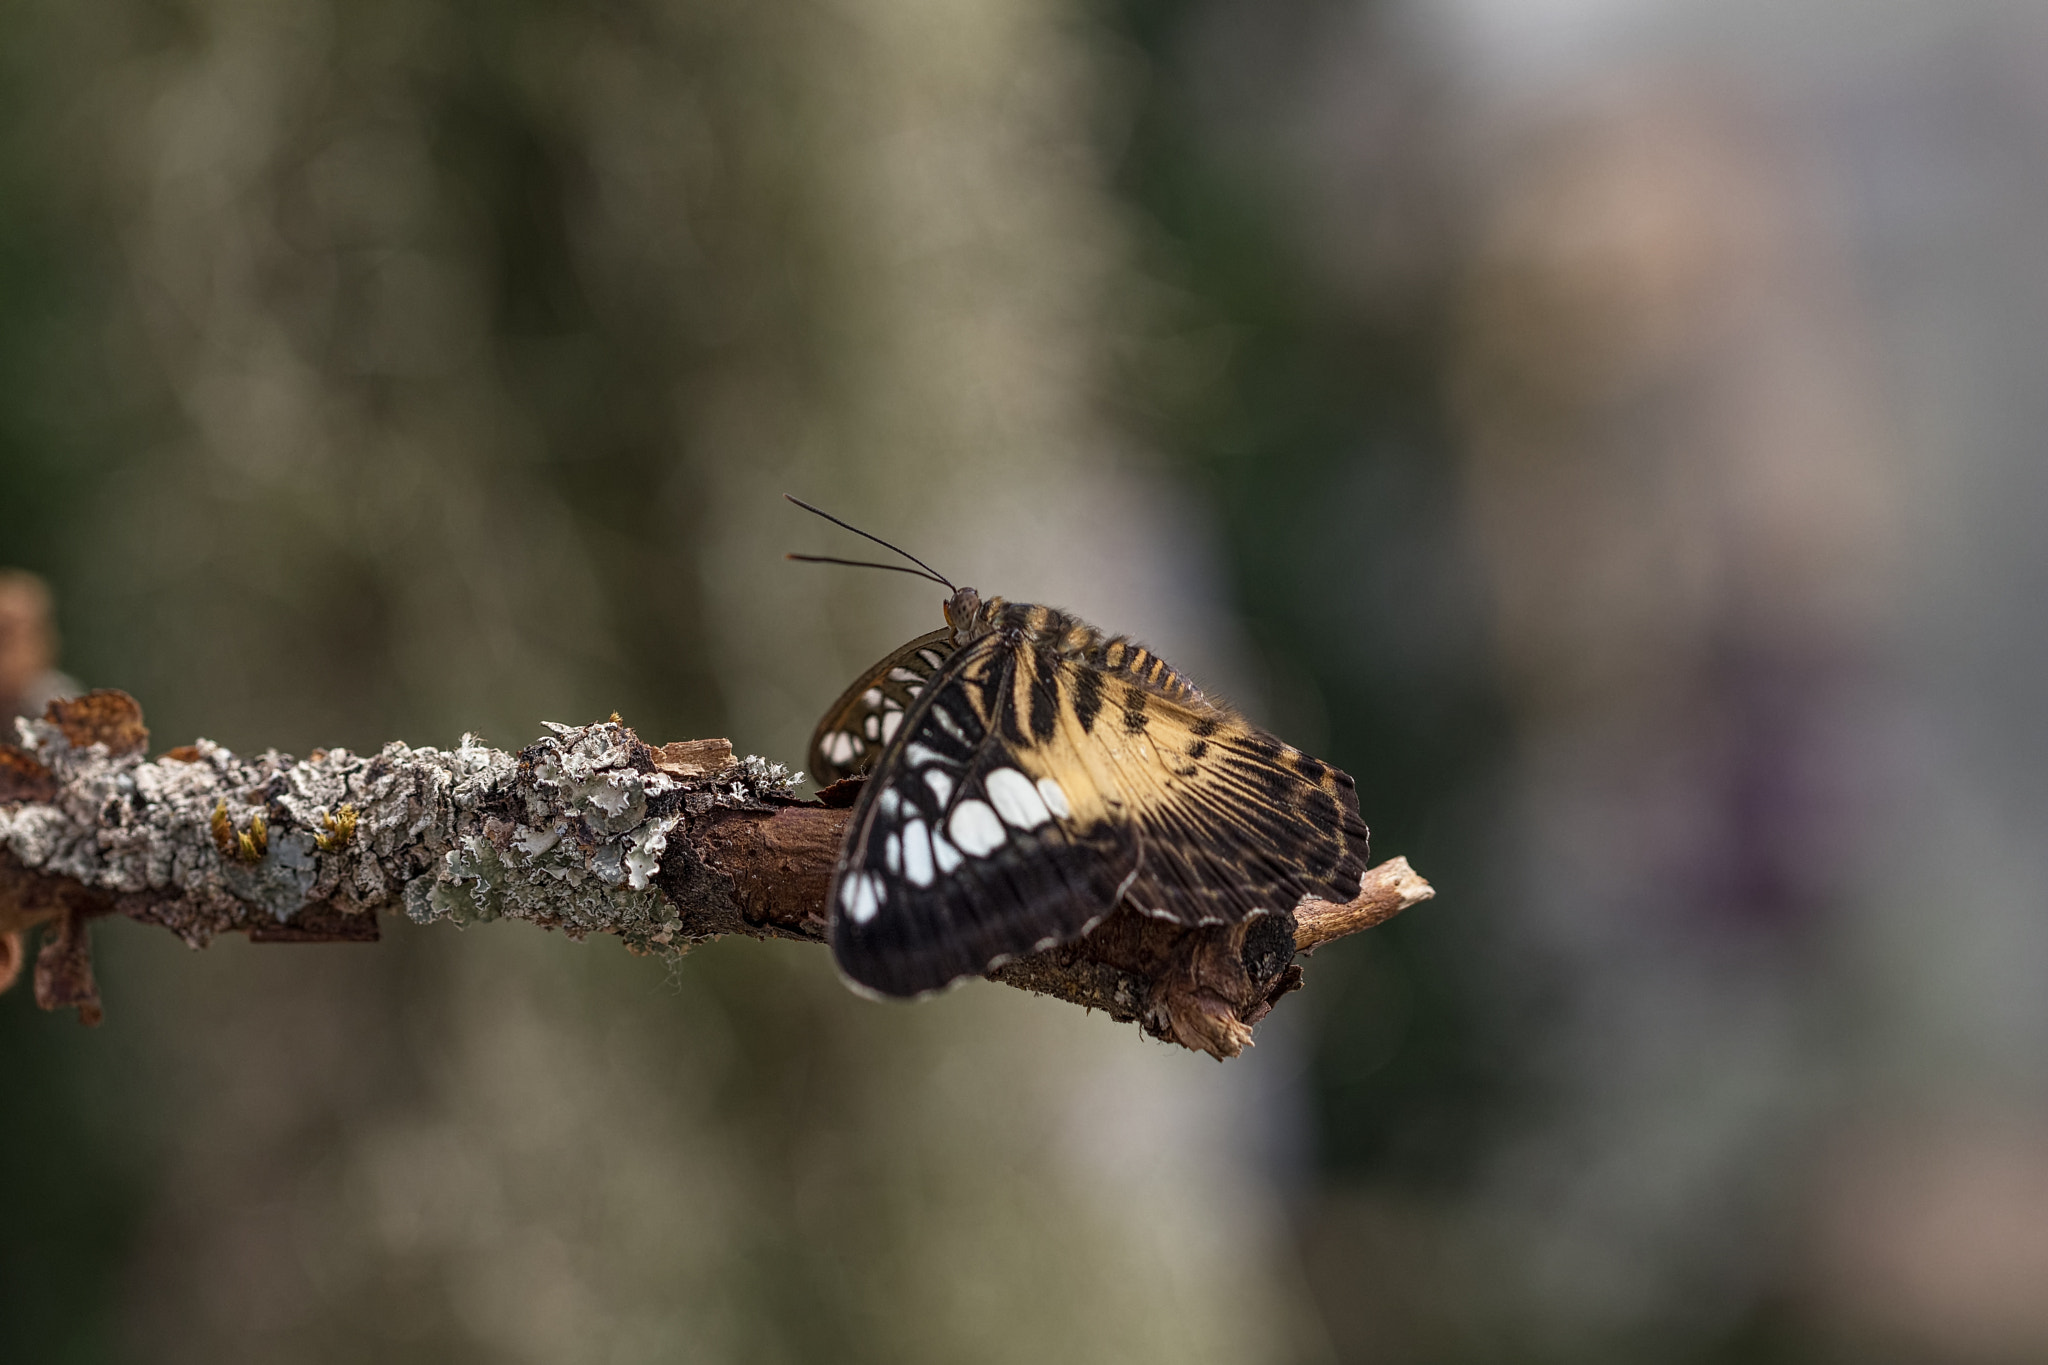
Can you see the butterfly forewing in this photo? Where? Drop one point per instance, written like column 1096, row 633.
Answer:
column 858, row 726
column 1045, row 775
column 957, row 858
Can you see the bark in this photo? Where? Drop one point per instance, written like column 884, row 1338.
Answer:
column 587, row 830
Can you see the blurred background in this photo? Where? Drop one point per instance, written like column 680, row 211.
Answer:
column 1608, row 428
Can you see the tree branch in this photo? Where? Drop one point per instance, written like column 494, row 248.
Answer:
column 588, row 830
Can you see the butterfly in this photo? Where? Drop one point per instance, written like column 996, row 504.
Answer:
column 1027, row 774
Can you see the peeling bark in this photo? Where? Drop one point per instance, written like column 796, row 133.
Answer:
column 588, row 830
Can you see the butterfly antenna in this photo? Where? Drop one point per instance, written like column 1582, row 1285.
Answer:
column 936, row 576
column 870, row 564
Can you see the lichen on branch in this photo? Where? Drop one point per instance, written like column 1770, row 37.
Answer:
column 588, row 830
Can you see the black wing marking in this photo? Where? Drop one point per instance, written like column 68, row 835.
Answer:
column 858, row 726
column 956, row 857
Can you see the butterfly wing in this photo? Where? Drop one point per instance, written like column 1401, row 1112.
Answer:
column 1229, row 821
column 955, row 859
column 1033, row 789
column 858, row 726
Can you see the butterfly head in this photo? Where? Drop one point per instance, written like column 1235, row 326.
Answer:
column 964, row 615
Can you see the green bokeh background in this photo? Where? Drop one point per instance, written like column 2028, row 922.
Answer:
column 1518, row 429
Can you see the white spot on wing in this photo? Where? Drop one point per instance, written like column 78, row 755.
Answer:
column 1015, row 799
column 975, row 828
column 917, row 853
column 931, row 657
column 1055, row 799
column 861, row 896
column 941, row 783
column 917, row 755
column 891, row 802
column 871, row 697
column 841, row 746
column 873, row 726
column 904, row 675
column 892, row 853
column 892, row 721
column 947, row 856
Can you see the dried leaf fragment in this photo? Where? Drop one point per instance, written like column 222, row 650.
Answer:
column 108, row 716
column 64, row 971
column 694, row 757
column 23, row 777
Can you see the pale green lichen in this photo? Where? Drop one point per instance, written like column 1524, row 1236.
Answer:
column 598, row 821
column 281, row 879
column 571, row 832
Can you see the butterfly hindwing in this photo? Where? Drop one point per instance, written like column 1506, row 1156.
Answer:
column 1045, row 775
column 1228, row 821
column 858, row 726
